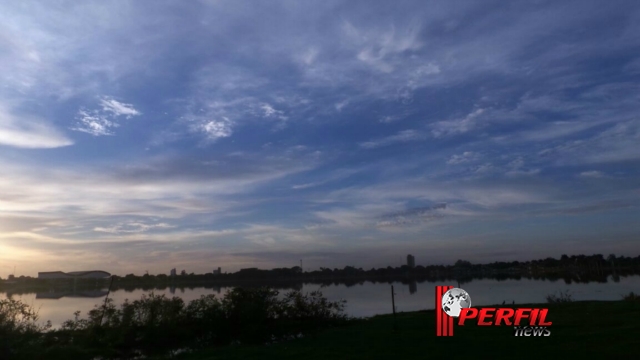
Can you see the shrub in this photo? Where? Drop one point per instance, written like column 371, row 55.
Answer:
column 155, row 324
column 307, row 312
column 206, row 319
column 631, row 297
column 19, row 329
column 251, row 313
column 562, row 297
column 151, row 325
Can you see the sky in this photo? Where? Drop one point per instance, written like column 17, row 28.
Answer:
column 146, row 135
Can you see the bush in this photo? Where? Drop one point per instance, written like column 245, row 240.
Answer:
column 206, row 319
column 19, row 329
column 155, row 324
column 562, row 297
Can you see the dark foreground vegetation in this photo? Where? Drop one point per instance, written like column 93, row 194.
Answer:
column 156, row 325
column 580, row 330
column 260, row 324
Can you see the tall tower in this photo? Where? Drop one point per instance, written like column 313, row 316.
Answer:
column 411, row 261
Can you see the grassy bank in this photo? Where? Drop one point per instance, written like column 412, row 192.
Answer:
column 589, row 328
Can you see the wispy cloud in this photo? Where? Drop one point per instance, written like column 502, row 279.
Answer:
column 94, row 123
column 389, row 119
column 592, row 174
column 465, row 157
column 342, row 104
column 132, row 227
column 412, row 216
column 306, row 186
column 215, row 128
column 457, row 126
column 401, row 137
column 269, row 111
column 117, row 108
column 24, row 131
column 101, row 122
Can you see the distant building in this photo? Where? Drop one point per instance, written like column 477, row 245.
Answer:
column 217, row 272
column 93, row 274
column 173, row 272
column 411, row 261
column 12, row 277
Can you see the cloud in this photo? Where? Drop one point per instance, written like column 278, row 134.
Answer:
column 132, row 227
column 117, row 108
column 519, row 172
column 412, row 216
column 465, row 157
column 309, row 56
column 271, row 112
column 379, row 48
column 613, row 144
column 306, row 186
column 401, row 137
column 177, row 187
column 456, row 126
column 598, row 207
column 94, row 123
column 389, row 119
column 28, row 132
column 484, row 168
column 102, row 122
column 592, row 174
column 341, row 105
column 224, row 97
column 215, row 129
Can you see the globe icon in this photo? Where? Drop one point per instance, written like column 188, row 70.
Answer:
column 455, row 300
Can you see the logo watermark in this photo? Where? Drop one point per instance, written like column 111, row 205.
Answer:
column 454, row 303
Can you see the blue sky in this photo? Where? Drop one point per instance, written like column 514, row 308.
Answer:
column 147, row 135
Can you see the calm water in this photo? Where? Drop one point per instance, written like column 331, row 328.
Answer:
column 368, row 298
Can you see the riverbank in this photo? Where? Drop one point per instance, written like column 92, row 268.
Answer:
column 585, row 328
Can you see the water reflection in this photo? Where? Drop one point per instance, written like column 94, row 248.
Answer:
column 53, row 294
column 413, row 287
column 217, row 289
column 364, row 298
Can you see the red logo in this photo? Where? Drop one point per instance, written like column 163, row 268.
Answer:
column 444, row 322
column 458, row 303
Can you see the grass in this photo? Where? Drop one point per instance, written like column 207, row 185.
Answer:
column 584, row 328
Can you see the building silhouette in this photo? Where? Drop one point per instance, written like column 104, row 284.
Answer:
column 411, row 261
column 93, row 274
column 218, row 271
column 173, row 272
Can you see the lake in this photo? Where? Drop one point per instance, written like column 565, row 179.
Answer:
column 366, row 299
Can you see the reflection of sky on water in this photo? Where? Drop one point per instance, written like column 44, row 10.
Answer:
column 369, row 299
